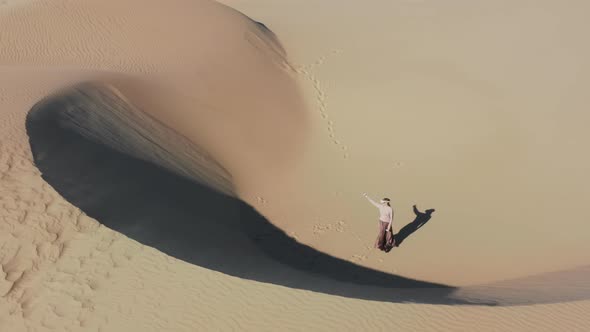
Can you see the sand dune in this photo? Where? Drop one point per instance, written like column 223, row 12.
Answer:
column 475, row 109
column 101, row 114
column 93, row 123
column 478, row 107
column 72, row 132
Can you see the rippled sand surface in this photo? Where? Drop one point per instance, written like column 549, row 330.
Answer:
column 476, row 110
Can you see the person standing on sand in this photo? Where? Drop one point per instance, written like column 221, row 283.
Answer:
column 385, row 221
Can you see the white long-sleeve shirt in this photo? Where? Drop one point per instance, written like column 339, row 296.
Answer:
column 385, row 211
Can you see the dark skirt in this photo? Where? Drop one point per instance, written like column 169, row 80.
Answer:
column 384, row 238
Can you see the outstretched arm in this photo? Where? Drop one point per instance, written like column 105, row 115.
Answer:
column 370, row 200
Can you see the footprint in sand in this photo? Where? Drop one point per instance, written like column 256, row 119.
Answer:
column 359, row 258
column 317, row 229
column 320, row 93
column 338, row 226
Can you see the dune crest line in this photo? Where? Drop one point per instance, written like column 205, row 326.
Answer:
column 104, row 165
column 140, row 178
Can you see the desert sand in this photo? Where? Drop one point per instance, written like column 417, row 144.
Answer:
column 473, row 109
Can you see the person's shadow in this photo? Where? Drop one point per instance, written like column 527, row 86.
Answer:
column 192, row 222
column 421, row 219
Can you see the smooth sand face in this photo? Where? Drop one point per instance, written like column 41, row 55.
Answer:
column 473, row 109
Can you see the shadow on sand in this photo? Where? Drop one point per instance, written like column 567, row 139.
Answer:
column 196, row 224
column 193, row 223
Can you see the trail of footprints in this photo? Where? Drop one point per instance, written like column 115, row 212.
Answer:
column 367, row 250
column 338, row 226
column 321, row 99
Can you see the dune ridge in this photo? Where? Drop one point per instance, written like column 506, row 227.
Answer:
column 167, row 219
column 184, row 218
column 102, row 114
column 74, row 280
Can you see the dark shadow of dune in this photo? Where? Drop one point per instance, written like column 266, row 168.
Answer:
column 189, row 221
column 101, row 168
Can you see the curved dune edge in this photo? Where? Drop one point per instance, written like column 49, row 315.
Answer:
column 100, row 279
column 91, row 127
column 119, row 180
column 139, row 279
column 102, row 114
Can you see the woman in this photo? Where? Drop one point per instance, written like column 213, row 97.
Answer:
column 385, row 221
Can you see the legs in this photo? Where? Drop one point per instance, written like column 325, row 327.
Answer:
column 382, row 235
column 389, row 242
column 386, row 240
column 397, row 239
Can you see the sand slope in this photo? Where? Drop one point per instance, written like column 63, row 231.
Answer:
column 62, row 271
column 126, row 185
column 101, row 114
column 475, row 109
